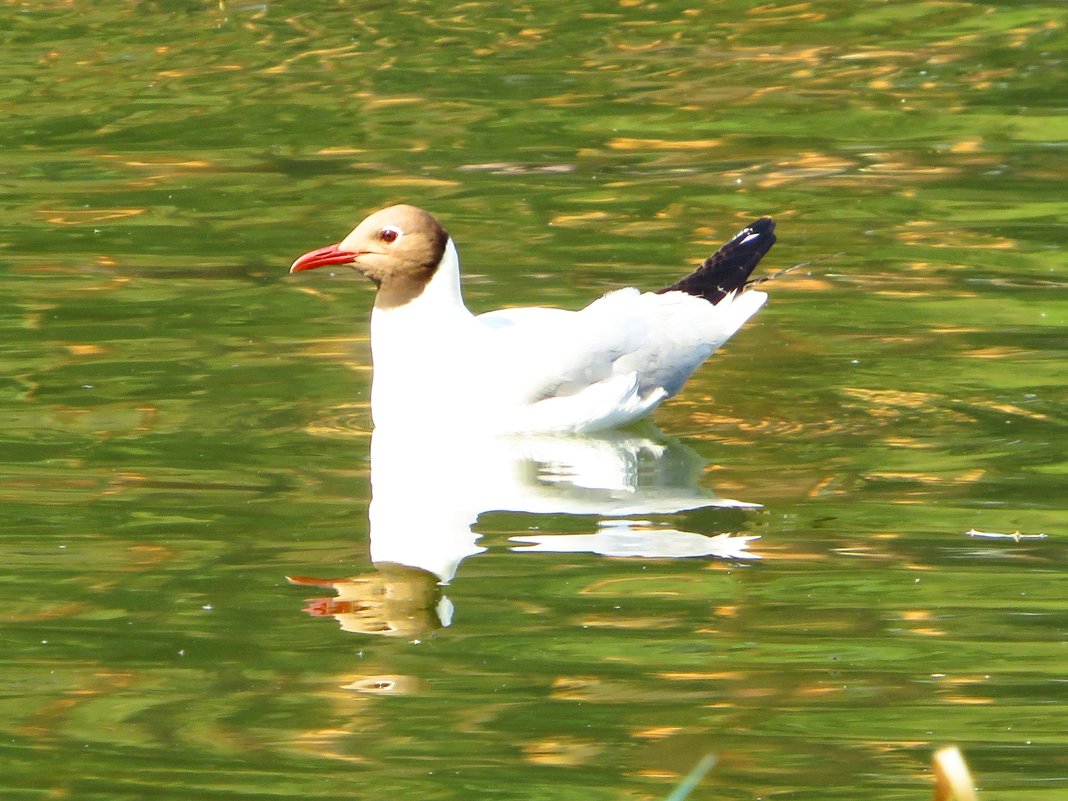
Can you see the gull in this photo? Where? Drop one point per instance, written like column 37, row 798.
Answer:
column 532, row 369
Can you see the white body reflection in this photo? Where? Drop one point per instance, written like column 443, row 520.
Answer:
column 642, row 538
column 428, row 490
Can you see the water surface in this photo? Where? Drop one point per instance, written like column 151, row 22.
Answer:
column 185, row 425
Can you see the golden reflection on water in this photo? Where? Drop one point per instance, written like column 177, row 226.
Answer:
column 347, row 420
column 562, row 752
column 85, row 217
column 386, row 685
column 869, row 480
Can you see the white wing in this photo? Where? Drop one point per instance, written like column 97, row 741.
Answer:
column 610, row 362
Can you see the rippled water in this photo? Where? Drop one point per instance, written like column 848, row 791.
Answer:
column 201, row 598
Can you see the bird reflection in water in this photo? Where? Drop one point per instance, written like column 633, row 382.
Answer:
column 392, row 601
column 428, row 491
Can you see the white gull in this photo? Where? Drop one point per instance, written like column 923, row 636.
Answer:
column 532, row 369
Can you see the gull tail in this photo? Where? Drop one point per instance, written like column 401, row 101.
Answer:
column 728, row 269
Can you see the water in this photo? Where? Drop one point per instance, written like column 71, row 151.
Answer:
column 185, row 425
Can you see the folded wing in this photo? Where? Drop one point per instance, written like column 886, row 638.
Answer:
column 611, row 362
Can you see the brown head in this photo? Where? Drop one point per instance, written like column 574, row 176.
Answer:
column 399, row 248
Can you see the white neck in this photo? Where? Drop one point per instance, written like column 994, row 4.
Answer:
column 441, row 298
column 413, row 344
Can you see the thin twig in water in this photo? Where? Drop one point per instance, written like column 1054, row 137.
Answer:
column 781, row 273
column 693, row 778
column 1016, row 535
column 953, row 780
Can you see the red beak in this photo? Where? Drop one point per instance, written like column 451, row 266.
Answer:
column 322, row 257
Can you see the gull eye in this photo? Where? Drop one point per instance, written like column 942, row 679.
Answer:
column 389, row 234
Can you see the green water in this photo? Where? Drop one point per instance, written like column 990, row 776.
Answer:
column 184, row 425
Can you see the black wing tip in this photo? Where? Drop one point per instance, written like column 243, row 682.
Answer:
column 728, row 269
column 763, row 229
